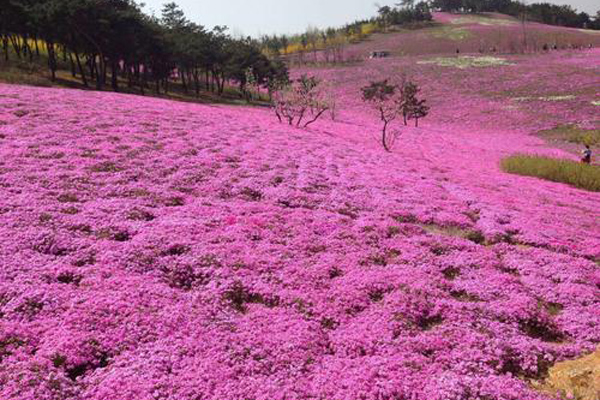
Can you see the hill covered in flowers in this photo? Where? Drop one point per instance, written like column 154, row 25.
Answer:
column 162, row 250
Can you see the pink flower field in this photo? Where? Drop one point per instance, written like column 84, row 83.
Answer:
column 157, row 250
column 487, row 32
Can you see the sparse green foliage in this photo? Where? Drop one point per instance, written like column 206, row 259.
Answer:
column 251, row 87
column 387, row 99
column 414, row 108
column 390, row 100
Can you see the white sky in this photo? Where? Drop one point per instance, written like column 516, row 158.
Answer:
column 256, row 17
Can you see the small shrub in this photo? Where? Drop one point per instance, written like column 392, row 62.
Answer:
column 176, row 250
column 105, row 167
column 140, row 215
column 68, row 198
column 451, row 272
column 175, row 202
column 251, row 194
column 238, row 296
column 121, row 236
column 21, row 113
column 580, row 175
column 475, row 236
column 69, row 277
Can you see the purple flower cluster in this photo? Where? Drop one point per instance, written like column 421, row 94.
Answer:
column 172, row 251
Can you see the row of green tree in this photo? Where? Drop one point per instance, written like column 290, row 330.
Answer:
column 405, row 13
column 552, row 14
column 113, row 42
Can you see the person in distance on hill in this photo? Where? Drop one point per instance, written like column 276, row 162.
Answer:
column 587, row 155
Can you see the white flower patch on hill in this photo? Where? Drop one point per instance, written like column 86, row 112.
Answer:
column 546, row 98
column 482, row 20
column 467, row 62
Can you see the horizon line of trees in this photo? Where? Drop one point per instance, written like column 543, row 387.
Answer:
column 113, row 42
column 546, row 13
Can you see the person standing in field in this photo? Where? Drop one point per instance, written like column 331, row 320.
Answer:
column 587, row 155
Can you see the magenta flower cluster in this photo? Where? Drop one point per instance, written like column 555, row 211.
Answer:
column 172, row 251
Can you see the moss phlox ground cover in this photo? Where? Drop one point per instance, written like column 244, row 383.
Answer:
column 160, row 250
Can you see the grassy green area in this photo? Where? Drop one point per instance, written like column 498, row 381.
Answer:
column 451, row 33
column 573, row 134
column 483, row 20
column 23, row 76
column 576, row 174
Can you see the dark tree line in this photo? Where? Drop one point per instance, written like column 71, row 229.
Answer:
column 112, row 42
column 551, row 14
column 406, row 14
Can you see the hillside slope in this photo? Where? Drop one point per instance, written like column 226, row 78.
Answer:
column 475, row 33
column 160, row 250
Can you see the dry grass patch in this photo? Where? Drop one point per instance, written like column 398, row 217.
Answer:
column 575, row 379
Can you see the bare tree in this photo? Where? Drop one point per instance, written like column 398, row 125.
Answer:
column 388, row 100
column 302, row 102
column 312, row 36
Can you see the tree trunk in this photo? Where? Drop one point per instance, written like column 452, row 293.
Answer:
column 98, row 71
column 73, row 69
column 130, row 75
column 316, row 117
column 15, row 42
column 144, row 78
column 5, row 46
column 91, row 62
column 384, row 137
column 104, row 69
column 196, row 76
column 28, row 49
column 222, row 84
column 81, row 70
column 212, row 82
column 183, row 81
column 52, row 60
column 114, row 75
